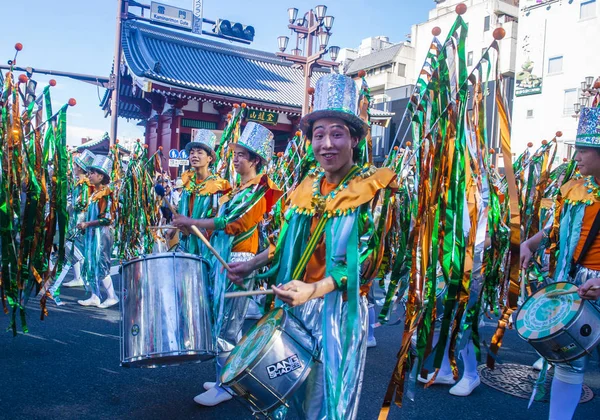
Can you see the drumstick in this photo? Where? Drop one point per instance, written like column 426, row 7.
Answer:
column 161, row 191
column 245, row 293
column 163, row 227
column 556, row 293
column 209, row 246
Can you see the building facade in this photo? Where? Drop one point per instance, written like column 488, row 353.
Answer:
column 558, row 41
column 175, row 82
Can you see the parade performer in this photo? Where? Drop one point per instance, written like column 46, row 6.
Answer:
column 98, row 239
column 80, row 196
column 201, row 188
column 330, row 249
column 235, row 236
column 577, row 210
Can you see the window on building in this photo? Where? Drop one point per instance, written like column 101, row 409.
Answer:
column 587, row 9
column 401, row 69
column 530, row 113
column 555, row 65
column 486, row 24
column 470, row 58
column 570, row 99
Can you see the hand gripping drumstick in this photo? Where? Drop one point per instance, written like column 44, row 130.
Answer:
column 160, row 191
column 556, row 293
column 245, row 293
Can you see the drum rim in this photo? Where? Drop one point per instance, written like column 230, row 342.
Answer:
column 264, row 350
column 161, row 255
column 131, row 361
column 554, row 334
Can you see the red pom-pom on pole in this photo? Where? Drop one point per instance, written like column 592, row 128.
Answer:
column 559, row 134
column 492, row 151
column 310, row 90
column 408, row 144
column 52, row 82
column 436, row 31
column 236, row 105
column 461, row 9
column 530, row 144
column 72, row 102
column 499, row 33
column 244, row 105
column 160, row 148
column 565, row 160
column 298, row 133
column 362, row 73
column 23, row 78
column 544, row 142
column 18, row 46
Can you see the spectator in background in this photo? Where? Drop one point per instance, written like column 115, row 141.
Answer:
column 176, row 194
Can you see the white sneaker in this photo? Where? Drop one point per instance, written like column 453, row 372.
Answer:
column 465, row 386
column 208, row 385
column 92, row 301
column 108, row 303
column 371, row 342
column 212, row 397
column 439, row 380
column 73, row 283
column 539, row 364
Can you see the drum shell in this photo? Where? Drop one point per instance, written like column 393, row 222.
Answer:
column 165, row 306
column 575, row 340
column 254, row 384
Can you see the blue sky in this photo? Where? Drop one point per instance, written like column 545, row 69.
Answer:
column 78, row 36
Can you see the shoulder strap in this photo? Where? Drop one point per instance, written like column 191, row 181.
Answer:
column 588, row 241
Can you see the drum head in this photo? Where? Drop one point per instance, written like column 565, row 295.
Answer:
column 541, row 317
column 251, row 345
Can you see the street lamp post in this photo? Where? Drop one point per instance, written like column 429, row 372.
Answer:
column 314, row 31
column 590, row 94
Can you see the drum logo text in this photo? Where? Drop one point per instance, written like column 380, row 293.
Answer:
column 284, row 366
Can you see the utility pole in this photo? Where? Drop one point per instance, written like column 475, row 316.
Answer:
column 116, row 76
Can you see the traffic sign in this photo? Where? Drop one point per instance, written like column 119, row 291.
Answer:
column 174, row 163
column 173, row 153
column 183, row 154
column 170, row 15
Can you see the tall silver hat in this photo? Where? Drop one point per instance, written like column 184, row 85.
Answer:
column 258, row 139
column 588, row 130
column 102, row 164
column 336, row 96
column 85, row 159
column 204, row 139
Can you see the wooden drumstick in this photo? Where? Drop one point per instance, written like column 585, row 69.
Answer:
column 161, row 191
column 245, row 293
column 567, row 292
column 209, row 246
column 163, row 227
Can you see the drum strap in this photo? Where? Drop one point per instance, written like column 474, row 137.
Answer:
column 243, row 236
column 587, row 245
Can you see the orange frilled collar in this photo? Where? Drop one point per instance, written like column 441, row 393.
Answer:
column 360, row 190
column 84, row 180
column 575, row 191
column 271, row 196
column 101, row 192
column 214, row 185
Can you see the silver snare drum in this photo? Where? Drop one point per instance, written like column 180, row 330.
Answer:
column 561, row 328
column 165, row 306
column 271, row 361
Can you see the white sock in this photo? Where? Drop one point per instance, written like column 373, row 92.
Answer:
column 564, row 398
column 108, row 285
column 77, row 270
column 470, row 361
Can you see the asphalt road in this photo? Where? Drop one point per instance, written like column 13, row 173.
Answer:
column 67, row 367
